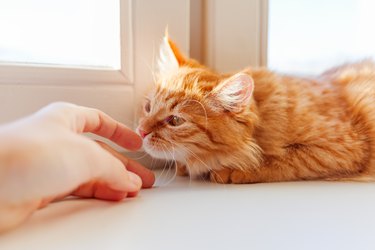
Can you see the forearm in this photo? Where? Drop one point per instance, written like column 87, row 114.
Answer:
column 12, row 210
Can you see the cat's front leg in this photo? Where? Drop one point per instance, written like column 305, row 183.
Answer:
column 254, row 175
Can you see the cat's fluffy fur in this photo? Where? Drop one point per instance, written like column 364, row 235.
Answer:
column 259, row 126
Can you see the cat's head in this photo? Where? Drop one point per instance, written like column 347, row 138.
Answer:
column 193, row 113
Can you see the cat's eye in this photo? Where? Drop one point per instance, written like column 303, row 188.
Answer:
column 148, row 106
column 175, row 120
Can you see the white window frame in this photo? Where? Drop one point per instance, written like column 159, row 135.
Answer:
column 11, row 73
column 24, row 88
column 230, row 23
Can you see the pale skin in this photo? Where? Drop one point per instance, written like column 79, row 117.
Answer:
column 45, row 157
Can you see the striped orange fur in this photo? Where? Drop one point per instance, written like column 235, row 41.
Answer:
column 259, row 126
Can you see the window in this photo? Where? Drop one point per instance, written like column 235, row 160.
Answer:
column 70, row 32
column 94, row 53
column 311, row 36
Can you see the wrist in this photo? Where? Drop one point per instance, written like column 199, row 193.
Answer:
column 16, row 154
column 13, row 215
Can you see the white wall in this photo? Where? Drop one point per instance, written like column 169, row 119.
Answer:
column 229, row 35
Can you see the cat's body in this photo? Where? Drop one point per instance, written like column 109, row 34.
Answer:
column 321, row 128
column 258, row 126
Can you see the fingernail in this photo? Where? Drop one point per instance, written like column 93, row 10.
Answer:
column 135, row 144
column 135, row 181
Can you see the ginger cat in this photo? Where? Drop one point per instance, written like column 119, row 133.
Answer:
column 259, row 126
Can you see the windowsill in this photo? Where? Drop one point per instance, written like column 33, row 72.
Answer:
column 198, row 215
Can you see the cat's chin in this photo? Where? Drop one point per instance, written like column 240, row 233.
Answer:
column 178, row 156
column 163, row 153
column 157, row 154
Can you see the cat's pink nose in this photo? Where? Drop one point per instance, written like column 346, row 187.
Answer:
column 143, row 133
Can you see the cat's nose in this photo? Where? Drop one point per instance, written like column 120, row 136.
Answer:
column 143, row 133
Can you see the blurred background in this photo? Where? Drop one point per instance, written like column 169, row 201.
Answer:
column 100, row 53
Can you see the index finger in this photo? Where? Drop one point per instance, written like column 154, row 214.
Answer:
column 97, row 122
column 82, row 119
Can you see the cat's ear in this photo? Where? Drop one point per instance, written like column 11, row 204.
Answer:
column 234, row 93
column 170, row 58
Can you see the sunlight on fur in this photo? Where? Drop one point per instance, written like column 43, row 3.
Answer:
column 259, row 126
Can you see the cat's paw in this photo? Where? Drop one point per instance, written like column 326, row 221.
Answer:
column 221, row 176
column 235, row 176
column 181, row 170
column 240, row 177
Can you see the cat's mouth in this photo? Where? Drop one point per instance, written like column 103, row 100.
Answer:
column 157, row 148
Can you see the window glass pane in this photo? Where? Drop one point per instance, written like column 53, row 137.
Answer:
column 62, row 32
column 309, row 36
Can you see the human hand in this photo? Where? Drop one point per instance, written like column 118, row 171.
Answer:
column 44, row 157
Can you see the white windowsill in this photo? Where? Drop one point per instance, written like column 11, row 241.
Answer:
column 198, row 215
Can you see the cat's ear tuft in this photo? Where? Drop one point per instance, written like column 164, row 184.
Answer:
column 170, row 57
column 234, row 93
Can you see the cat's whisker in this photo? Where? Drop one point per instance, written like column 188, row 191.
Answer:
column 218, row 176
column 195, row 156
column 161, row 176
column 167, row 164
column 186, row 164
column 189, row 173
column 152, row 165
column 169, row 154
column 142, row 156
column 170, row 167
